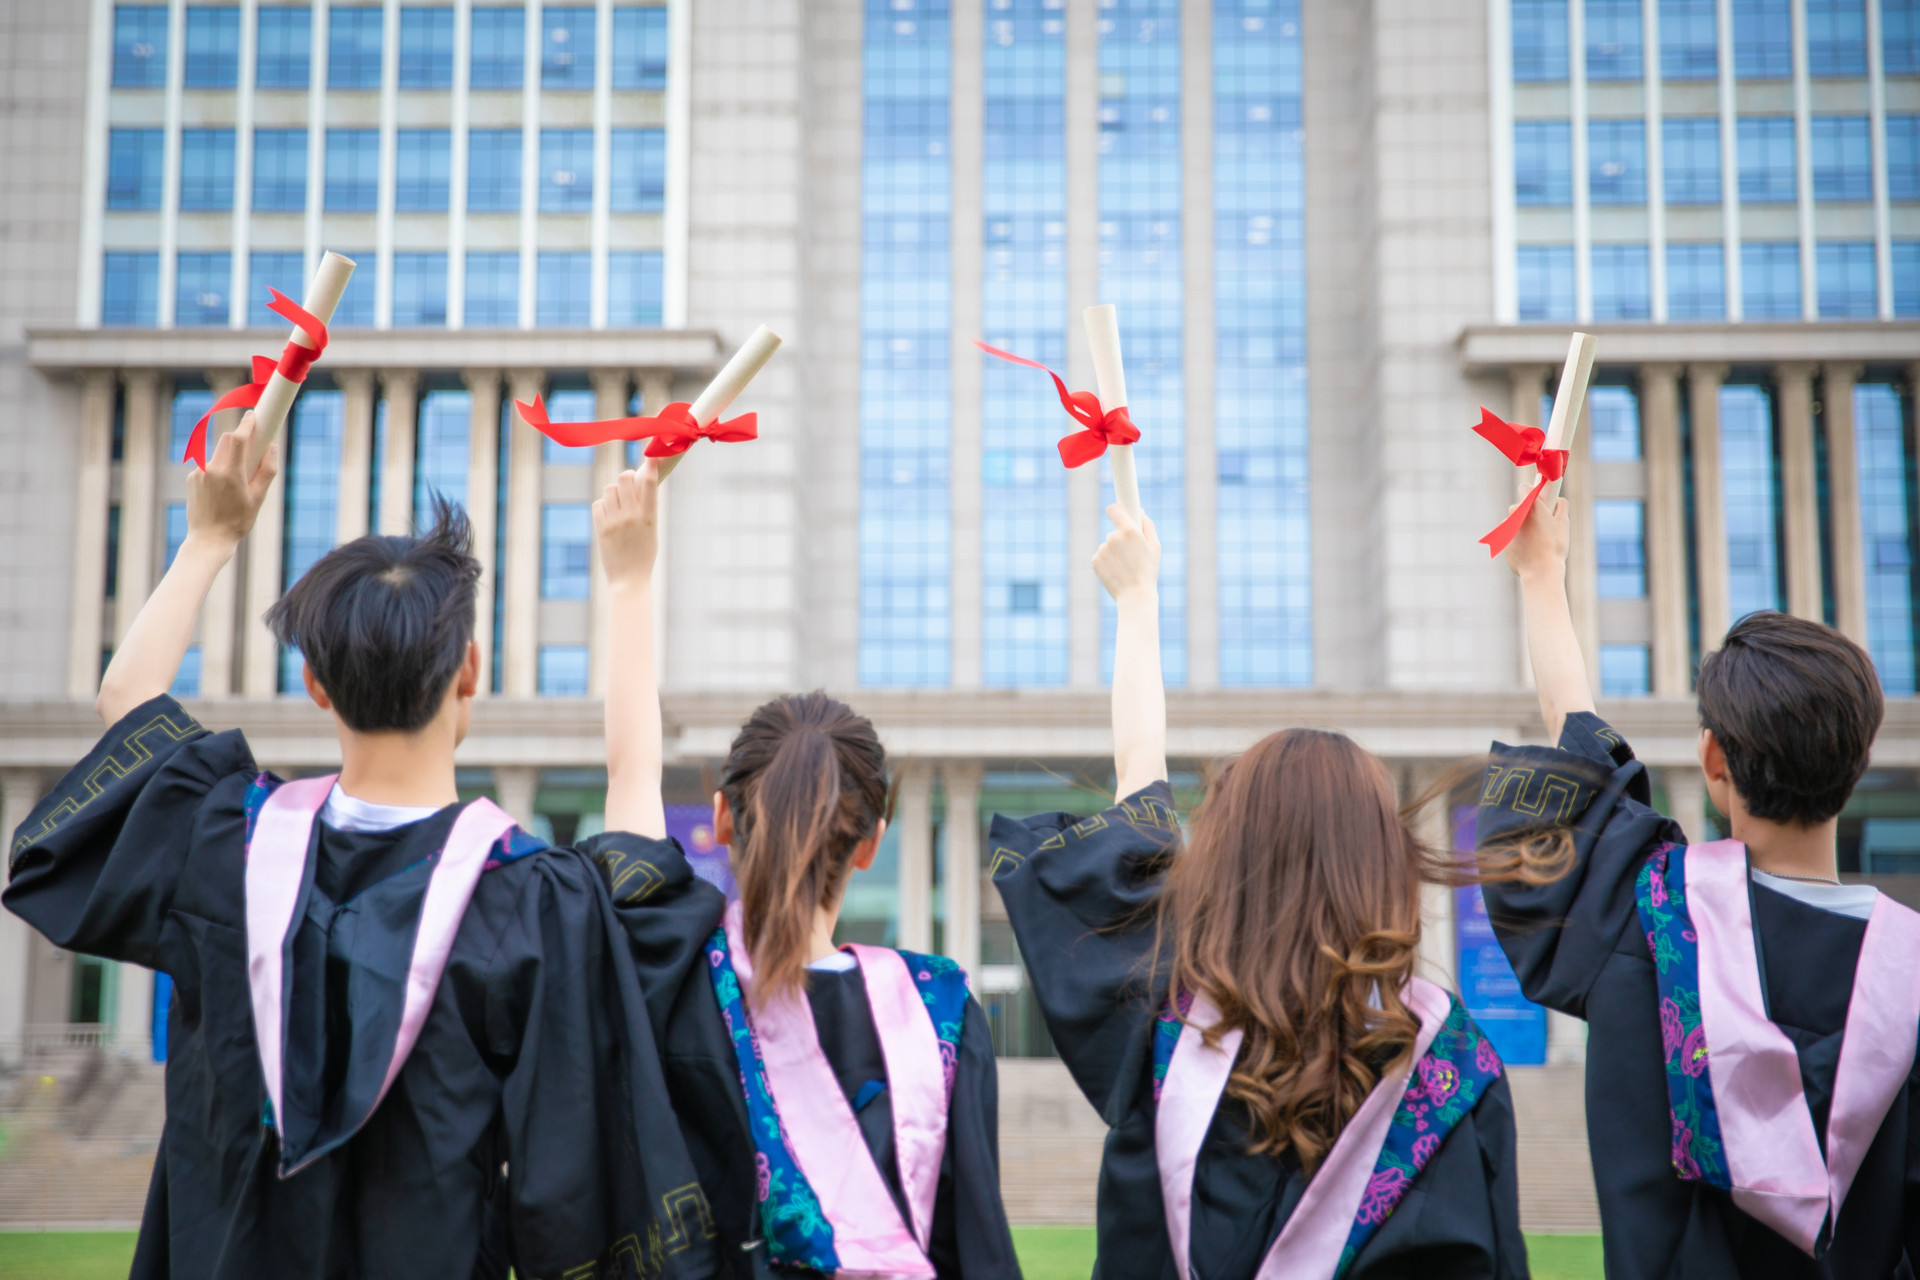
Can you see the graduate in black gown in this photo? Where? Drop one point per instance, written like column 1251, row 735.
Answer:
column 840, row 1106
column 1366, row 1129
column 1636, row 941
column 508, row 1110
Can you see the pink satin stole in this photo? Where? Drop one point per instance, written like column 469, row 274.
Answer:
column 276, row 868
column 868, row 1235
column 1773, row 1156
column 1310, row 1244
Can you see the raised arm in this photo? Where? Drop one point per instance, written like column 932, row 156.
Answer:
column 1128, row 564
column 626, row 522
column 221, row 506
column 1538, row 554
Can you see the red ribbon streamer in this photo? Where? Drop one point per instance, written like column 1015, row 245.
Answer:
column 1524, row 447
column 1100, row 428
column 673, row 430
column 295, row 359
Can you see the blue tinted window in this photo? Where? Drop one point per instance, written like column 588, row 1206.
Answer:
column 493, row 171
column 1619, row 538
column 353, row 47
column 1770, row 279
column 1617, row 161
column 1903, row 157
column 563, row 292
column 499, row 47
column 134, row 159
column 1751, row 487
column 186, row 681
column 1545, row 282
column 441, row 449
column 1689, row 40
column 1613, row 39
column 419, row 289
column 422, row 171
column 1542, row 162
column 213, row 47
column 493, row 290
column 569, row 405
column 176, row 526
column 1696, row 280
column 639, row 170
column 1848, row 283
column 1613, row 423
column 1766, row 160
column 565, row 529
column 189, row 403
column 1906, row 277
column 1883, row 464
column 206, row 169
column 634, row 283
column 284, row 47
column 426, row 48
column 1836, row 37
column 282, row 271
column 201, row 283
column 356, row 304
column 1900, row 36
column 566, row 48
column 1620, row 282
column 640, row 48
column 279, row 169
column 1690, row 159
column 1625, row 671
column 1842, row 151
column 312, row 481
column 1762, row 39
column 139, row 46
column 1539, row 40
column 563, row 671
column 129, row 289
column 566, row 170
column 353, row 170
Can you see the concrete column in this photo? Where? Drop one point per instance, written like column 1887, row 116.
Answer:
column 1084, row 520
column 1439, row 950
column 133, row 1012
column 1687, row 799
column 139, row 482
column 513, row 790
column 356, row 453
column 656, row 392
column 19, row 792
column 218, row 633
column 259, row 651
column 913, row 820
column 520, row 575
column 1583, row 563
column 1843, row 498
column 401, row 388
column 1799, row 491
column 483, row 489
column 1666, row 530
column 960, row 876
column 1200, row 465
column 92, row 494
column 1709, row 505
column 1526, row 384
column 609, row 460
column 1566, row 1038
column 966, row 132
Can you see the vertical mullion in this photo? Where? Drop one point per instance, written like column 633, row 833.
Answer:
column 93, row 181
column 600, row 227
column 383, row 205
column 457, row 168
column 1582, row 202
column 1729, row 160
column 673, row 302
column 1803, row 163
column 1656, row 159
column 530, row 161
column 1882, row 213
column 1506, row 295
column 170, row 170
column 317, row 140
column 241, row 235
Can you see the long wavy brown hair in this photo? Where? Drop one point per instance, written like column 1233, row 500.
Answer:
column 1296, row 910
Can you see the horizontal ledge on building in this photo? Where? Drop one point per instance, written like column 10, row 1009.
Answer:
column 1492, row 348
column 74, row 350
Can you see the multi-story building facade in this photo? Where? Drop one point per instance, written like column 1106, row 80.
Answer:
column 1333, row 228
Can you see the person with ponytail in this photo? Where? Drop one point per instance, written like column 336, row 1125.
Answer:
column 840, row 1103
column 1284, row 1096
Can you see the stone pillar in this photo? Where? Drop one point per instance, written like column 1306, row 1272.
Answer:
column 656, row 392
column 1583, row 558
column 1084, row 520
column 520, row 575
column 514, row 788
column 1527, row 384
column 133, row 1012
column 1709, row 505
column 1687, row 800
column 1566, row 1038
column 356, row 454
column 92, row 494
column 1843, row 496
column 218, row 632
column 401, row 388
column 19, row 792
column 1666, row 530
column 139, row 482
column 609, row 460
column 966, row 142
column 960, row 876
column 1200, row 465
column 1439, row 951
column 483, row 495
column 913, row 818
column 1799, row 491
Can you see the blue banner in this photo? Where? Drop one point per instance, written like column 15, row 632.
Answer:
column 1516, row 1025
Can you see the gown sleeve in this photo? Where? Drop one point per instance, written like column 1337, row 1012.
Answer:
column 97, row 863
column 971, row 1239
column 1558, row 936
column 666, row 911
column 1080, row 895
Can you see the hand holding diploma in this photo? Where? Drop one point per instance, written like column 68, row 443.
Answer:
column 1545, row 451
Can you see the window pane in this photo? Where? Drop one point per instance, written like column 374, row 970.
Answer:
column 279, row 170
column 134, row 158
column 1613, row 423
column 1625, row 671
column 493, row 290
column 1750, row 486
column 1900, row 36
column 563, row 670
column 356, row 304
column 201, row 284
column 565, row 528
column 1848, row 280
column 423, row 170
column 1617, row 161
column 1690, row 159
column 1689, row 40
column 1836, row 37
column 1842, row 154
column 634, row 289
column 419, row 289
column 1539, row 40
column 639, row 48
column 573, row 405
column 566, row 170
column 1906, row 277
column 639, row 170
column 1770, row 279
column 282, row 271
column 1543, row 162
column 1613, row 39
column 206, row 169
column 1620, row 282
column 189, row 404
column 493, row 171
column 426, row 48
column 139, row 46
column 312, row 488
column 499, row 47
column 563, row 295
column 284, row 47
column 213, row 47
column 353, row 170
column 353, row 47
column 130, row 289
column 566, row 48
column 1619, row 538
column 177, row 520
column 1903, row 157
column 1766, row 160
column 441, row 450
column 1762, row 39
column 1696, row 281
column 1883, row 464
column 1546, row 282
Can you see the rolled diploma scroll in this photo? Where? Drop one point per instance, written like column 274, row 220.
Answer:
column 1569, row 404
column 728, row 383
column 1103, row 335
column 323, row 295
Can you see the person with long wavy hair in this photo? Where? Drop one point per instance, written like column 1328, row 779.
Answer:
column 1285, row 1096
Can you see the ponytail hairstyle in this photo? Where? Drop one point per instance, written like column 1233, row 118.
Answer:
column 806, row 780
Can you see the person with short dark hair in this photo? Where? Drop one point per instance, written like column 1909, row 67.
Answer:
column 1753, row 1021
column 406, row 1037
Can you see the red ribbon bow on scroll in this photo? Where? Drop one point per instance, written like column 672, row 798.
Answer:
column 673, row 430
column 295, row 359
column 1101, row 427
column 1524, row 447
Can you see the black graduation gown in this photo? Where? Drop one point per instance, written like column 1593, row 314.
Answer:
column 528, row 1057
column 669, row 924
column 1577, row 945
column 1080, row 893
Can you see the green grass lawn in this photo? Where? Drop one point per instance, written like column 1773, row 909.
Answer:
column 1046, row 1253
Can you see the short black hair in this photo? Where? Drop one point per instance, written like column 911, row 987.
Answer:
column 1795, row 707
column 385, row 621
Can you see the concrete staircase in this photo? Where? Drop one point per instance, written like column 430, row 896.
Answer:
column 80, row 1131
